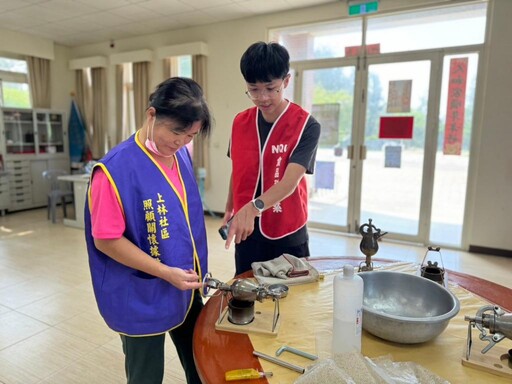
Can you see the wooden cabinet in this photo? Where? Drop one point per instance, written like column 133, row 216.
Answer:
column 32, row 141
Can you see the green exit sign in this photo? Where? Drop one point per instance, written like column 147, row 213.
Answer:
column 357, row 8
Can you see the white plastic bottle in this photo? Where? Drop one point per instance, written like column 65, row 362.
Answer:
column 347, row 311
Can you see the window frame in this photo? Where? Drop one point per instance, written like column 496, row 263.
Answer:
column 14, row 77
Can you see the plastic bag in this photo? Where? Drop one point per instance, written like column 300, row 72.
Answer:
column 325, row 371
column 354, row 368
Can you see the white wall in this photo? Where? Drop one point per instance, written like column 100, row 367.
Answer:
column 23, row 44
column 490, row 184
column 62, row 80
column 492, row 203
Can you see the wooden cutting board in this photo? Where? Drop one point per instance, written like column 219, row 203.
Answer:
column 262, row 323
column 495, row 361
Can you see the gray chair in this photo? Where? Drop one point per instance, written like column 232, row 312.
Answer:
column 56, row 192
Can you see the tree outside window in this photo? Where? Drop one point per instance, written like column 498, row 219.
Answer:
column 14, row 87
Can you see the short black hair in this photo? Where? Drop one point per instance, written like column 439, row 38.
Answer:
column 181, row 99
column 264, row 62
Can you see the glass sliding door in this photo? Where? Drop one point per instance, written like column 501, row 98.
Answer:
column 394, row 93
column 394, row 145
column 453, row 148
column 328, row 93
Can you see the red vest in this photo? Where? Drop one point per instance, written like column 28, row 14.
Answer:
column 291, row 214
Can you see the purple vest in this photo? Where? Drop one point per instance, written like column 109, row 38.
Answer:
column 162, row 225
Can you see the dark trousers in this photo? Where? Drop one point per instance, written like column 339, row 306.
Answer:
column 144, row 356
column 249, row 251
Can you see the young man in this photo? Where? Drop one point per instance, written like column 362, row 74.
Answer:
column 273, row 145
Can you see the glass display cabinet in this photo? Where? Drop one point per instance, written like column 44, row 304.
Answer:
column 50, row 132
column 19, row 131
column 34, row 132
column 31, row 142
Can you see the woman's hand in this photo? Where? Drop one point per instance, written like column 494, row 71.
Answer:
column 125, row 252
column 180, row 278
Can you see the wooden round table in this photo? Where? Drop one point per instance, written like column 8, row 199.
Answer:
column 216, row 352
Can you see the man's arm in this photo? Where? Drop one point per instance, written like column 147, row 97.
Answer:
column 228, row 211
column 242, row 224
column 301, row 161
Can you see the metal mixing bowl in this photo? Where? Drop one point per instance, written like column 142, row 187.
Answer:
column 405, row 308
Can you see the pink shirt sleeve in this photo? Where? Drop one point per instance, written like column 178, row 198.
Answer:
column 107, row 220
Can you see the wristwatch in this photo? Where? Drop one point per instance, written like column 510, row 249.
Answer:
column 259, row 205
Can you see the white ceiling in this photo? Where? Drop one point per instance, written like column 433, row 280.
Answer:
column 77, row 22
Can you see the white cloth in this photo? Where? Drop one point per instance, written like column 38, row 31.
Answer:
column 282, row 270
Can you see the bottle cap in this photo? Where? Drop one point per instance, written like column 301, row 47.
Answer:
column 348, row 270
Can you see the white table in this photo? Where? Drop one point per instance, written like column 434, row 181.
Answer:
column 79, row 190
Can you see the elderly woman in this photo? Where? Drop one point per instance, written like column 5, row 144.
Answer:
column 146, row 235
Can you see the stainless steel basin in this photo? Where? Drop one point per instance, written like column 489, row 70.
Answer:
column 405, row 308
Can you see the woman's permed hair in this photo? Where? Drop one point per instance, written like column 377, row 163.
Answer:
column 181, row 99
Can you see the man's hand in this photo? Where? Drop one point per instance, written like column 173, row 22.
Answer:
column 242, row 224
column 228, row 215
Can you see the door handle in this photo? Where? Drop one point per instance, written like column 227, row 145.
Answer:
column 362, row 152
column 350, row 152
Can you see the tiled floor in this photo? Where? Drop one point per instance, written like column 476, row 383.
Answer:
column 50, row 328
